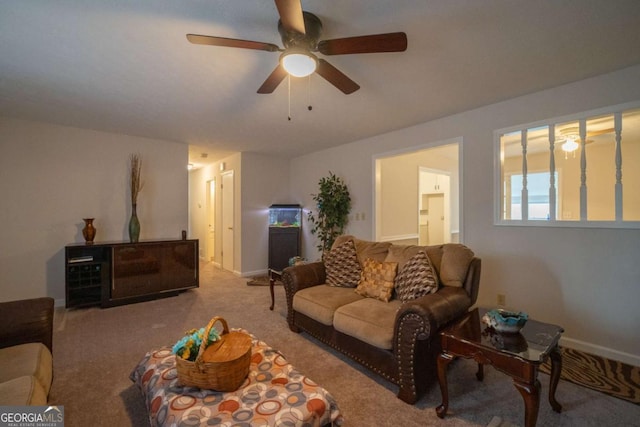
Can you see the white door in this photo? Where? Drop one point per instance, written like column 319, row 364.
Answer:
column 227, row 221
column 211, row 221
column 435, row 219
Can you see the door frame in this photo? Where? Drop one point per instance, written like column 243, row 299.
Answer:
column 225, row 257
column 446, row 200
column 376, row 231
column 210, row 244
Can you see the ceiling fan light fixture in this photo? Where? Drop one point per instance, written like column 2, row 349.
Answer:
column 299, row 63
column 570, row 145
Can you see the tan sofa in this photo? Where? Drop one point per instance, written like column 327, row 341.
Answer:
column 397, row 340
column 26, row 362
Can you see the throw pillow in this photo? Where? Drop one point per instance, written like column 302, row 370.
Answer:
column 402, row 254
column 342, row 266
column 417, row 278
column 376, row 280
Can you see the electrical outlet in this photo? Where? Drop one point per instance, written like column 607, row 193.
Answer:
column 362, row 216
column 502, row 300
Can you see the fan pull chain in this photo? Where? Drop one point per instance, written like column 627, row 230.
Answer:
column 309, row 99
column 289, row 95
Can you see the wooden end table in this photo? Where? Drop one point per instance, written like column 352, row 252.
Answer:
column 517, row 355
column 273, row 276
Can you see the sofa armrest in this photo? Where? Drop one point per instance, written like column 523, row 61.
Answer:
column 300, row 277
column 303, row 276
column 26, row 321
column 431, row 312
column 416, row 325
column 472, row 281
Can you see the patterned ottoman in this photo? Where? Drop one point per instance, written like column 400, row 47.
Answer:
column 274, row 394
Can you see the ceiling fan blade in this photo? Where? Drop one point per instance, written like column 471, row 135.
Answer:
column 291, row 15
column 374, row 43
column 336, row 77
column 600, row 132
column 274, row 79
column 225, row 42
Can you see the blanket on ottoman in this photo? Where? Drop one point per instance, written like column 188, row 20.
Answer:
column 274, row 394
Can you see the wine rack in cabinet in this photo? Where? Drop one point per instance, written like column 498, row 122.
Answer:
column 109, row 274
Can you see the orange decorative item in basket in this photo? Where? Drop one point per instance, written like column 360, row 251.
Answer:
column 223, row 366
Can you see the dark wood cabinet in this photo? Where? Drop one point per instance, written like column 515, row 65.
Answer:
column 284, row 235
column 110, row 274
column 284, row 243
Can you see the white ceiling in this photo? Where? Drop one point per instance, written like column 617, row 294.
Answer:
column 126, row 66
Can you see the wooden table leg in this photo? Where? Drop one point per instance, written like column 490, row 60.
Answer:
column 556, row 369
column 443, row 361
column 531, row 395
column 480, row 373
column 272, row 281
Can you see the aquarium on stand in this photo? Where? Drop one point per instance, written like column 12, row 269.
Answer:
column 284, row 234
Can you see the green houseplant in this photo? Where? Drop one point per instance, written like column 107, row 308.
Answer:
column 333, row 205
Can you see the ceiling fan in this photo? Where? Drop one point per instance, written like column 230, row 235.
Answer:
column 300, row 32
column 567, row 138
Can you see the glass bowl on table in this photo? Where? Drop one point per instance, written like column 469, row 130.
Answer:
column 505, row 321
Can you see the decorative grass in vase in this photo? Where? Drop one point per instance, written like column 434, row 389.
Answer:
column 135, row 161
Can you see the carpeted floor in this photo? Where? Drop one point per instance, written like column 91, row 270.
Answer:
column 95, row 350
column 499, row 422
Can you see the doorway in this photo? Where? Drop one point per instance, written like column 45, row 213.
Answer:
column 227, row 201
column 417, row 194
column 434, row 200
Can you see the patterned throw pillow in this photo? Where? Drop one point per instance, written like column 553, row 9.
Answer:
column 417, row 278
column 342, row 266
column 376, row 280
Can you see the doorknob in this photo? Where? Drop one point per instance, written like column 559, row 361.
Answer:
column 230, row 228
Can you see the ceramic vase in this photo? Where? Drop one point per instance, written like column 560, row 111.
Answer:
column 89, row 231
column 134, row 225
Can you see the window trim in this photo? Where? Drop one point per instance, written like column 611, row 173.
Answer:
column 497, row 168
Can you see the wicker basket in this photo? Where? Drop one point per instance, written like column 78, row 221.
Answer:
column 222, row 366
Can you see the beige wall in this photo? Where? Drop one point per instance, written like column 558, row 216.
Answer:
column 399, row 191
column 53, row 176
column 586, row 280
column 265, row 181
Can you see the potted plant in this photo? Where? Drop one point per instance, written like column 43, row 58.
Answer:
column 333, row 205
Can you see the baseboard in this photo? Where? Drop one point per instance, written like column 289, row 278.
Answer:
column 609, row 353
column 398, row 238
column 60, row 302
